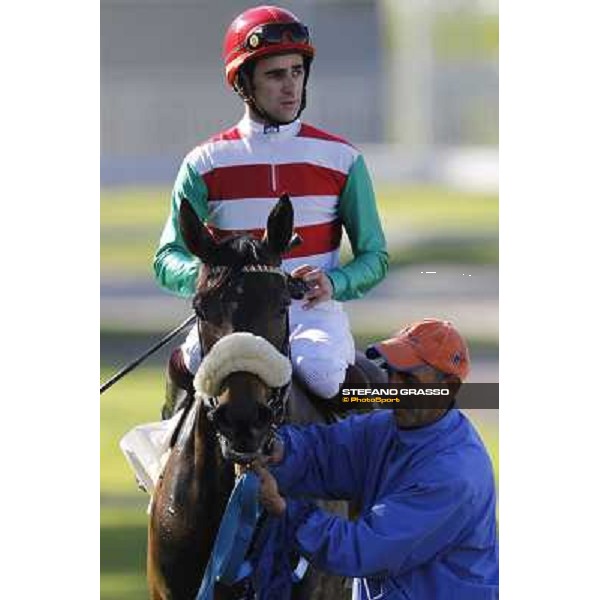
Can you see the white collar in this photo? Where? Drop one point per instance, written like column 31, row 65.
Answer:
column 252, row 129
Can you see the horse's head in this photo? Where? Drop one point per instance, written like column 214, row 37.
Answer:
column 242, row 288
column 243, row 380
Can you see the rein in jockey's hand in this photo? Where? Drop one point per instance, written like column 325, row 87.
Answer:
column 268, row 493
column 321, row 288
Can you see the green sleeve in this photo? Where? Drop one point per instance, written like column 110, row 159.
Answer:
column 359, row 216
column 175, row 268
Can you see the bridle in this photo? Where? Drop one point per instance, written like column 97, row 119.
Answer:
column 278, row 396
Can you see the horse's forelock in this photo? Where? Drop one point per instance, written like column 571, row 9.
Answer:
column 247, row 250
column 234, row 252
column 211, row 279
column 237, row 251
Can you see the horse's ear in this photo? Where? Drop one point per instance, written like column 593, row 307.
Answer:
column 280, row 226
column 195, row 234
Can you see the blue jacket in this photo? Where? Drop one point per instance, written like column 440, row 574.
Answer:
column 427, row 527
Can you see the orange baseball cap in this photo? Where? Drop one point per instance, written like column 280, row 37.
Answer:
column 430, row 341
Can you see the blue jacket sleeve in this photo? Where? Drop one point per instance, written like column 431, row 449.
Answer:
column 399, row 533
column 322, row 461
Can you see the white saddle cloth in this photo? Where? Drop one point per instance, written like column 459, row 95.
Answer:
column 146, row 448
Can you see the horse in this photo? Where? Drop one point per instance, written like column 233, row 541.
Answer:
column 241, row 288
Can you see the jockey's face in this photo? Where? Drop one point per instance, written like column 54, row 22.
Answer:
column 278, row 82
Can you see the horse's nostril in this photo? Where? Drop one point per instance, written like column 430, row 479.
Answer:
column 245, row 445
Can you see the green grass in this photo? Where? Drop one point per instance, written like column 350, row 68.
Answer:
column 134, row 206
column 466, row 36
column 123, row 553
column 133, row 400
column 123, row 521
column 422, row 223
column 431, row 209
column 465, row 251
column 459, row 35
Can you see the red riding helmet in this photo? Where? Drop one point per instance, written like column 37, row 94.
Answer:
column 263, row 31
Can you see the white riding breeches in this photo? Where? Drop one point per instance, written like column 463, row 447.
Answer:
column 321, row 346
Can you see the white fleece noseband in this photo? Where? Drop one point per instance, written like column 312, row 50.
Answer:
column 242, row 351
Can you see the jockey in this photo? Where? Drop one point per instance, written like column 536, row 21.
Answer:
column 234, row 179
column 421, row 475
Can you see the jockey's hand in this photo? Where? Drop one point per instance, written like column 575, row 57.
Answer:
column 321, row 288
column 268, row 493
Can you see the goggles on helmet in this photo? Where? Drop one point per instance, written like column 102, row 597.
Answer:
column 276, row 33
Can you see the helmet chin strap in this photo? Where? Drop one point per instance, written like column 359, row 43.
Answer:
column 266, row 117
